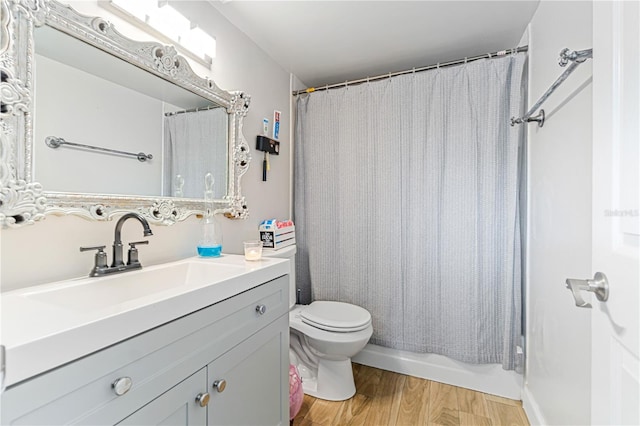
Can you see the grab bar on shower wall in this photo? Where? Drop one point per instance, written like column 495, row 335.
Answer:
column 56, row 142
column 576, row 57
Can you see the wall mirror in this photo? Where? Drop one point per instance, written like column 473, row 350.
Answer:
column 95, row 124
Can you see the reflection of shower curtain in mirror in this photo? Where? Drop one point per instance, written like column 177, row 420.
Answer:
column 406, row 203
column 195, row 144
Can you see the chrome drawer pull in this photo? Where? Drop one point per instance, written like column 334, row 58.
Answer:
column 220, row 385
column 261, row 309
column 122, row 385
column 203, row 399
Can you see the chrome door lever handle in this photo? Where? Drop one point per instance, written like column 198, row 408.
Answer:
column 598, row 285
column 3, row 367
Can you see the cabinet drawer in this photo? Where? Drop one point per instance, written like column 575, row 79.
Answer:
column 81, row 392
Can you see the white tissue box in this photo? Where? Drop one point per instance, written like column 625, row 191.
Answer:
column 276, row 238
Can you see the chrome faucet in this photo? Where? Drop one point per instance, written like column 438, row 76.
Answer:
column 100, row 267
column 117, row 240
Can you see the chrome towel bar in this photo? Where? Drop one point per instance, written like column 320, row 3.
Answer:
column 56, row 142
column 576, row 57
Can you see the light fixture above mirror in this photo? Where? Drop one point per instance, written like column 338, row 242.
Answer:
column 164, row 22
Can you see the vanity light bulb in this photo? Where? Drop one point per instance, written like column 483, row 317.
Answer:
column 169, row 22
column 139, row 9
column 199, row 42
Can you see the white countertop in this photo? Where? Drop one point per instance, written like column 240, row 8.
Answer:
column 40, row 335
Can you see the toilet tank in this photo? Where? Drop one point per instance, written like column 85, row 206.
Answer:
column 288, row 252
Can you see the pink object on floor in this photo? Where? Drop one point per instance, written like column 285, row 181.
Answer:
column 296, row 394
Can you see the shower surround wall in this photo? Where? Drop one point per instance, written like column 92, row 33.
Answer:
column 558, row 371
column 48, row 250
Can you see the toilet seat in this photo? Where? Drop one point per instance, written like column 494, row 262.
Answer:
column 336, row 316
column 296, row 323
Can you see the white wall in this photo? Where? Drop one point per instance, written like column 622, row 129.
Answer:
column 48, row 250
column 62, row 110
column 557, row 378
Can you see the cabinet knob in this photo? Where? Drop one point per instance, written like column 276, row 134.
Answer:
column 261, row 309
column 122, row 385
column 203, row 399
column 220, row 385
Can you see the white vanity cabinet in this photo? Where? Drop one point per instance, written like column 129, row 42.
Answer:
column 166, row 375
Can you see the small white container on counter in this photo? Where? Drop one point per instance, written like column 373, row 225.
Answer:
column 253, row 250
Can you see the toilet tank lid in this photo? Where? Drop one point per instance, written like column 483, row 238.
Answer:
column 283, row 253
column 336, row 314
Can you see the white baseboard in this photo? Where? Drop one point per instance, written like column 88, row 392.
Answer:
column 487, row 378
column 531, row 408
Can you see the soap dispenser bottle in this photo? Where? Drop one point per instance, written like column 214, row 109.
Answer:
column 210, row 244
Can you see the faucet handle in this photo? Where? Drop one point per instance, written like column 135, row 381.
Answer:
column 100, row 263
column 99, row 248
column 135, row 243
column 132, row 258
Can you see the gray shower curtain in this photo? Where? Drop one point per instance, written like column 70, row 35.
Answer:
column 195, row 144
column 406, row 203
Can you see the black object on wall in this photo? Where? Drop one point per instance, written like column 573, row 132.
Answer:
column 269, row 146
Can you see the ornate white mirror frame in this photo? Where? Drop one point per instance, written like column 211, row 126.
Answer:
column 23, row 201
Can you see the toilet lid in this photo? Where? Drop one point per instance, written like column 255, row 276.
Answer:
column 336, row 316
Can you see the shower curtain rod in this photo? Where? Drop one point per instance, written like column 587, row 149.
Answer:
column 413, row 70
column 207, row 108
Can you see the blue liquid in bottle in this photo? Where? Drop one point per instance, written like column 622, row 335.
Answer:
column 210, row 244
column 210, row 251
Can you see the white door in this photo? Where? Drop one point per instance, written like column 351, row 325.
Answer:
column 615, row 395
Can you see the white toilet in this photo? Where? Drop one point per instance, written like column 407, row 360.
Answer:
column 323, row 338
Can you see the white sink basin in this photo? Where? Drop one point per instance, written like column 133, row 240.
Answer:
column 127, row 288
column 51, row 324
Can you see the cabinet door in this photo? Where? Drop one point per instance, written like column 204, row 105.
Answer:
column 256, row 380
column 177, row 406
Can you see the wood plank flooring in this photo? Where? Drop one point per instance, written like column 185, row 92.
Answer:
column 385, row 398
